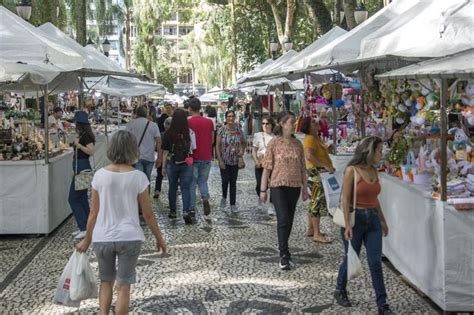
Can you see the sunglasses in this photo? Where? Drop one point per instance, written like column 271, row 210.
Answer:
column 266, row 123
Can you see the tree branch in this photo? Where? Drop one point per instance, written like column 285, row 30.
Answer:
column 276, row 16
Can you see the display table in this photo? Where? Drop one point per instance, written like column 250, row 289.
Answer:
column 430, row 243
column 33, row 195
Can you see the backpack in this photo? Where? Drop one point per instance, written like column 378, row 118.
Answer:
column 180, row 151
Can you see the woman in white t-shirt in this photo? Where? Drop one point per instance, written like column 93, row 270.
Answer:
column 259, row 147
column 113, row 225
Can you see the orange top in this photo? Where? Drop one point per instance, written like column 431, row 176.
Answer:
column 367, row 194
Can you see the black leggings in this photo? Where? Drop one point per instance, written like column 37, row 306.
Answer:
column 229, row 178
column 285, row 199
column 258, row 178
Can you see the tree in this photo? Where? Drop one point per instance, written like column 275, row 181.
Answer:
column 81, row 25
column 286, row 32
column 349, row 9
column 319, row 15
column 124, row 15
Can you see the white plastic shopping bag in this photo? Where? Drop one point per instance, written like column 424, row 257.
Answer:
column 83, row 281
column 332, row 185
column 62, row 295
column 354, row 267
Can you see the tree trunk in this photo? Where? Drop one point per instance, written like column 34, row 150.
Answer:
column 128, row 17
column 286, row 33
column 319, row 15
column 337, row 12
column 276, row 16
column 81, row 32
column 349, row 8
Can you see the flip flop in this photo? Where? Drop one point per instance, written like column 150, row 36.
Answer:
column 323, row 241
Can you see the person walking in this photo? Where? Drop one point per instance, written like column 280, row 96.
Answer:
column 284, row 159
column 230, row 149
column 204, row 130
column 148, row 138
column 159, row 168
column 317, row 160
column 178, row 144
column 83, row 149
column 370, row 224
column 259, row 147
column 113, row 226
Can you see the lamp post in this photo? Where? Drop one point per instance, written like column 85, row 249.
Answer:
column 106, row 47
column 273, row 47
column 360, row 13
column 287, row 44
column 23, row 8
column 90, row 43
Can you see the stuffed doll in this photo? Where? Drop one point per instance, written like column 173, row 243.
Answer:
column 461, row 143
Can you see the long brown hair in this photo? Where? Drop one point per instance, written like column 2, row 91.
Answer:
column 365, row 151
column 179, row 128
column 85, row 129
column 282, row 118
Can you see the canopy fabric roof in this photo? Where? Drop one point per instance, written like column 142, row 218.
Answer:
column 347, row 46
column 94, row 62
column 257, row 69
column 301, row 60
column 124, row 87
column 460, row 65
column 271, row 68
column 431, row 28
column 22, row 42
column 209, row 98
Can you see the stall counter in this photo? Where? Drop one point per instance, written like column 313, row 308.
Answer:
column 430, row 243
column 33, row 195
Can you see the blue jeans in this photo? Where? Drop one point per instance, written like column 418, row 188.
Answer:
column 183, row 173
column 146, row 167
column 78, row 200
column 201, row 171
column 368, row 230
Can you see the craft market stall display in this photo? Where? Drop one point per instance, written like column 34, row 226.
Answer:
column 431, row 233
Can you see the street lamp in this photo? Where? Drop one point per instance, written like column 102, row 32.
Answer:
column 23, row 8
column 360, row 13
column 90, row 42
column 288, row 44
column 273, row 47
column 106, row 47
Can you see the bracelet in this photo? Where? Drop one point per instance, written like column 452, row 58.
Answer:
column 263, row 191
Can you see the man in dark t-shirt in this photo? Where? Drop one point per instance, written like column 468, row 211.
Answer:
column 167, row 112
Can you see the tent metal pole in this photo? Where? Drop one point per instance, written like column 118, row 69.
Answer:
column 334, row 115
column 81, row 89
column 444, row 140
column 268, row 101
column 106, row 118
column 46, row 125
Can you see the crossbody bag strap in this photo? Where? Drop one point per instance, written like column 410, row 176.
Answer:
column 143, row 134
column 76, row 156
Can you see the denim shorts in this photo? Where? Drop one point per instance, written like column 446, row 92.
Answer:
column 125, row 253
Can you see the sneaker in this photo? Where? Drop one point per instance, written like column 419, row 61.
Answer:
column 384, row 310
column 260, row 204
column 223, row 202
column 172, row 215
column 80, row 235
column 206, row 207
column 285, row 264
column 75, row 233
column 192, row 213
column 233, row 208
column 271, row 210
column 187, row 218
column 341, row 298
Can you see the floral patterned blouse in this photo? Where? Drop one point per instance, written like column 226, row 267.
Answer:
column 230, row 144
column 285, row 158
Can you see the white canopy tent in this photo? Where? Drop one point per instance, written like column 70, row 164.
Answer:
column 22, row 43
column 257, row 69
column 457, row 66
column 124, row 87
column 430, row 29
column 270, row 69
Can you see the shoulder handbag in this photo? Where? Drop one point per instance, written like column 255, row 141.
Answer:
column 83, row 180
column 338, row 217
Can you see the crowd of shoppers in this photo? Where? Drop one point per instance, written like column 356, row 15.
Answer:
column 180, row 144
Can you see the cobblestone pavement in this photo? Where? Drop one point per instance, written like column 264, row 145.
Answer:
column 226, row 265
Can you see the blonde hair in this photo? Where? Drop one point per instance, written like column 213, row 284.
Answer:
column 365, row 152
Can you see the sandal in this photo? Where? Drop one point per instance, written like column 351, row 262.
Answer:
column 322, row 239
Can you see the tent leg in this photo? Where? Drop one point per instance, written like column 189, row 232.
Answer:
column 268, row 101
column 106, row 117
column 81, row 89
column 444, row 140
column 334, row 115
column 46, row 125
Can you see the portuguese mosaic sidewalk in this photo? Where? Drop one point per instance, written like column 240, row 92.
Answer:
column 226, row 265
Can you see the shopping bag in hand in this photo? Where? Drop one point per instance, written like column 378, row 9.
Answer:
column 354, row 267
column 62, row 295
column 83, row 281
